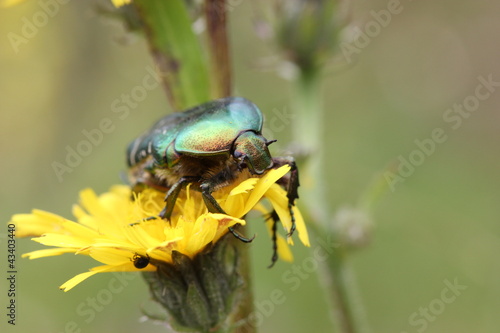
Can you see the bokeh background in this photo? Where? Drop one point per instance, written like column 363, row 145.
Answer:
column 441, row 224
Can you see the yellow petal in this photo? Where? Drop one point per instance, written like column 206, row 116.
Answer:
column 37, row 223
column 79, row 230
column 115, row 243
column 284, row 251
column 83, row 218
column 279, row 201
column 121, row 191
column 235, row 202
column 61, row 241
column 206, row 228
column 68, row 285
column 126, row 267
column 263, row 185
column 244, row 187
column 301, row 227
column 108, row 210
column 111, row 256
column 137, row 235
column 225, row 222
column 90, row 203
column 47, row 253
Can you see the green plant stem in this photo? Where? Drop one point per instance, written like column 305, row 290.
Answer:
column 336, row 273
column 176, row 50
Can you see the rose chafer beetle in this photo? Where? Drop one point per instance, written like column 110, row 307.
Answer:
column 209, row 146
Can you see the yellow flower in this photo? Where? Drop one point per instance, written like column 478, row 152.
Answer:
column 119, row 3
column 8, row 3
column 116, row 229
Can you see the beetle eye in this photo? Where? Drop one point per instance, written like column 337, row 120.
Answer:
column 242, row 162
column 237, row 154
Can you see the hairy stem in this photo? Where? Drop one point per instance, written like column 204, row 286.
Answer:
column 245, row 307
column 176, row 50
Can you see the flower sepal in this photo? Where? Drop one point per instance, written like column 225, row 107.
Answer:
column 198, row 293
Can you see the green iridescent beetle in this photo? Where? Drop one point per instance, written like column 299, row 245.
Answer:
column 209, row 146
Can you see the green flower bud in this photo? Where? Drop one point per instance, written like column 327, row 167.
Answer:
column 308, row 31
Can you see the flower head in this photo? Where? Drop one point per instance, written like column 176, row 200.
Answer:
column 119, row 3
column 118, row 229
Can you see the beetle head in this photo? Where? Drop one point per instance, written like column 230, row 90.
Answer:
column 250, row 149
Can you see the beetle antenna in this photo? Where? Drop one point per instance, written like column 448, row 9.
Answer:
column 149, row 218
column 270, row 141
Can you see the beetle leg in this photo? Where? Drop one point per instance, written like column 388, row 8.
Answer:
column 212, row 204
column 291, row 184
column 292, row 217
column 293, row 194
column 214, row 207
column 172, row 194
column 274, row 216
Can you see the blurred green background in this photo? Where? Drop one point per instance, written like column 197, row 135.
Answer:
column 441, row 224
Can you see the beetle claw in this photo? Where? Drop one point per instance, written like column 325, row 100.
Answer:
column 240, row 237
column 163, row 217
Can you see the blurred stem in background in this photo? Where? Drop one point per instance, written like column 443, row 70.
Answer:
column 336, row 272
column 308, row 33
